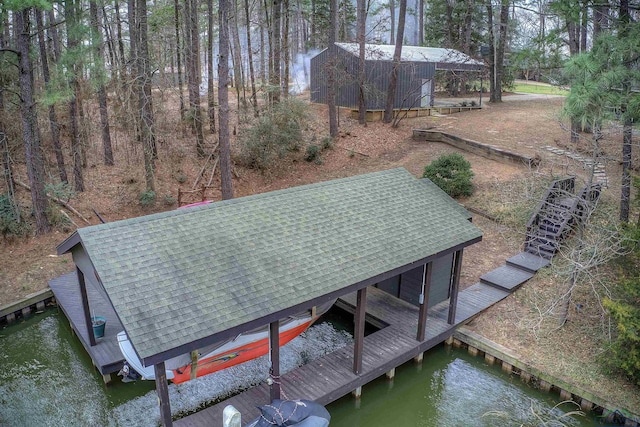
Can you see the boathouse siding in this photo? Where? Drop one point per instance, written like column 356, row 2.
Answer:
column 408, row 286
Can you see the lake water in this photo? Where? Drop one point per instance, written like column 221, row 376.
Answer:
column 48, row 380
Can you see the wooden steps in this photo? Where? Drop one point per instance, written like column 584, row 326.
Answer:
column 507, row 277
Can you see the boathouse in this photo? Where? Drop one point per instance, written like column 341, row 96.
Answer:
column 183, row 279
column 415, row 87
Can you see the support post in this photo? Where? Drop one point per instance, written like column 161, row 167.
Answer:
column 359, row 330
column 85, row 307
column 424, row 301
column 274, row 357
column 455, row 284
column 163, row 394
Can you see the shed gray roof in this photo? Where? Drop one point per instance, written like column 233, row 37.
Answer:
column 183, row 278
column 384, row 52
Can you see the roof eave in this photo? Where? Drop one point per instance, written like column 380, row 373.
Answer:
column 273, row 317
column 69, row 243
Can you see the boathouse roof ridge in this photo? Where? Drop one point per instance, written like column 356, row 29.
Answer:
column 185, row 278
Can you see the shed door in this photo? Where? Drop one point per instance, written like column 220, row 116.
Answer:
column 440, row 279
column 425, row 100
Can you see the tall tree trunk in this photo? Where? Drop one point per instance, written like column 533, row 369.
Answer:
column 331, row 72
column 573, row 30
column 287, row 50
column 53, row 123
column 74, row 103
column 55, row 38
column 392, row 18
column 193, row 72
column 492, row 53
column 314, row 32
column 32, row 149
column 7, row 170
column 102, row 93
column 627, row 123
column 145, row 100
column 237, row 57
column 130, row 86
column 584, row 23
column 421, row 23
column 223, row 101
column 119, row 32
column 269, row 64
column 176, row 24
column 252, row 77
column 237, row 48
column 263, row 56
column 211, row 104
column 109, row 40
column 502, row 46
column 274, row 42
column 361, row 21
column 600, row 19
column 397, row 54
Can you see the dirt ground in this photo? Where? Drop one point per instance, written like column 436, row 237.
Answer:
column 523, row 124
column 27, row 264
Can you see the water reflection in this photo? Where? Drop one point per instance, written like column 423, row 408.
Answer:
column 48, row 379
column 453, row 389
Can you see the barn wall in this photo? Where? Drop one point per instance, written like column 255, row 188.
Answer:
column 346, row 77
column 408, row 90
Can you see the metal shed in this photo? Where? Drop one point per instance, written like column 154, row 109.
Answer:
column 415, row 87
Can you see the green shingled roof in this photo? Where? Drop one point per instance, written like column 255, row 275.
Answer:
column 184, row 275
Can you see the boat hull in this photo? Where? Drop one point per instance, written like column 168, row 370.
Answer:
column 242, row 349
column 236, row 356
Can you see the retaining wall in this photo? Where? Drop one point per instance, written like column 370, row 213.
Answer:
column 474, row 147
column 34, row 302
column 495, row 353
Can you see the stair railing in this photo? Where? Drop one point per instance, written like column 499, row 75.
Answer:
column 556, row 190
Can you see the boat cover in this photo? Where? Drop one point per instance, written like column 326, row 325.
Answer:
column 298, row 413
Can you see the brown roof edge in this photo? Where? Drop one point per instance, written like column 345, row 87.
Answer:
column 69, row 243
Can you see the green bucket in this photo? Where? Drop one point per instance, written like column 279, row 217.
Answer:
column 98, row 323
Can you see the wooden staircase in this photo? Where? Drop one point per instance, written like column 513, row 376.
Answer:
column 549, row 225
column 556, row 215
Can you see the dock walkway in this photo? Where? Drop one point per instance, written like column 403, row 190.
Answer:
column 331, row 377
column 105, row 354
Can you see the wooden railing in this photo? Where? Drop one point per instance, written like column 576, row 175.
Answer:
column 557, row 189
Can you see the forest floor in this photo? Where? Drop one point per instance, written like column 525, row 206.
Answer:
column 523, row 124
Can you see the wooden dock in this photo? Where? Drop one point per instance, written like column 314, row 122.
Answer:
column 331, row 377
column 105, row 354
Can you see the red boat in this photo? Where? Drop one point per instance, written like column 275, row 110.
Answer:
column 218, row 356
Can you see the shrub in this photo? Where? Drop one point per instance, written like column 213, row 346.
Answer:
column 180, row 177
column 57, row 218
column 327, row 143
column 147, row 198
column 10, row 223
column 452, row 173
column 312, row 153
column 275, row 134
column 169, row 200
column 60, row 190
